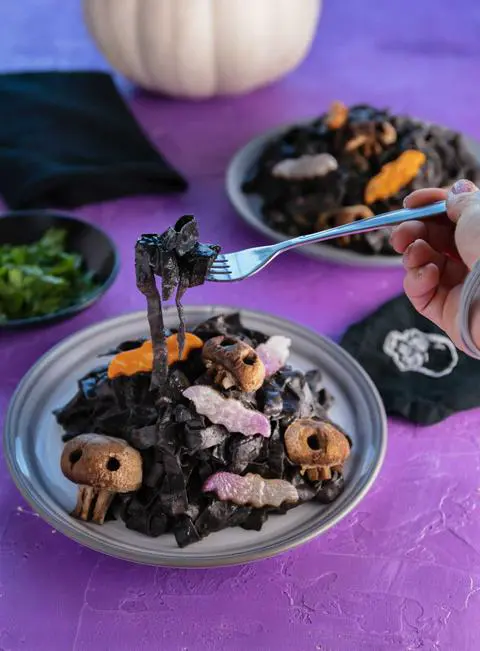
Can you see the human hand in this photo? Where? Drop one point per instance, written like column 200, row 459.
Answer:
column 438, row 254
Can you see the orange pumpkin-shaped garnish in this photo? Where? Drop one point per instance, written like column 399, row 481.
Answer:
column 140, row 360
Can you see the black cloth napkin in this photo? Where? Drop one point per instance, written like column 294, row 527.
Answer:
column 416, row 368
column 68, row 139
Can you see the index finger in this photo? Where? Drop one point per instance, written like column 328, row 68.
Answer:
column 437, row 231
column 424, row 196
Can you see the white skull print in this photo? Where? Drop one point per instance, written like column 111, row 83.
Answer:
column 430, row 354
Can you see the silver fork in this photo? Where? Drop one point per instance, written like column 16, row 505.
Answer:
column 242, row 264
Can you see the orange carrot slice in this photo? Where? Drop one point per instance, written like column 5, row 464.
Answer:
column 140, row 360
column 394, row 176
column 191, row 342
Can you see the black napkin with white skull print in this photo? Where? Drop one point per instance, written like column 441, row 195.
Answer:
column 416, row 368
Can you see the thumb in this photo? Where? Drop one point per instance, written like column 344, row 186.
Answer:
column 463, row 208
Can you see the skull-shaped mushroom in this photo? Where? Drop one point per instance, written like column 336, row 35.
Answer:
column 318, row 446
column 234, row 363
column 102, row 466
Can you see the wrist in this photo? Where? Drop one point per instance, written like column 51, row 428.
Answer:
column 469, row 312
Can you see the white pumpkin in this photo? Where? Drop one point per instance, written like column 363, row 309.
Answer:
column 202, row 48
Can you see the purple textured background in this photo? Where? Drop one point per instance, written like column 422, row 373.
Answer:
column 402, row 572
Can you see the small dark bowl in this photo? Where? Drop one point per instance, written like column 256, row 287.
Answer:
column 99, row 254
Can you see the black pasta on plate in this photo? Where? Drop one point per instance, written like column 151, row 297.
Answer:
column 317, row 175
column 181, row 449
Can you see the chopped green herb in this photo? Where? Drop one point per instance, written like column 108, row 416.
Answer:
column 41, row 278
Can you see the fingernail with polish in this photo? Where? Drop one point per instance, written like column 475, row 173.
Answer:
column 462, row 186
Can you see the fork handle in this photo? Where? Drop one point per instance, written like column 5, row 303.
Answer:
column 365, row 225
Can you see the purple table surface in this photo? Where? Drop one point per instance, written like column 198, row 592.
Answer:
column 402, row 571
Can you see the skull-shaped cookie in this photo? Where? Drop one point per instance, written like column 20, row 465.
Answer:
column 102, row 466
column 317, row 446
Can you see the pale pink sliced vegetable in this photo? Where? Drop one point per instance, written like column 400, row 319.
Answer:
column 274, row 353
column 227, row 411
column 305, row 167
column 251, row 489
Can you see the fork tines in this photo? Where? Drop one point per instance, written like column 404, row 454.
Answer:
column 220, row 266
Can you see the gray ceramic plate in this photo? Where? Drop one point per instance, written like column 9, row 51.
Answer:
column 249, row 206
column 32, row 444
